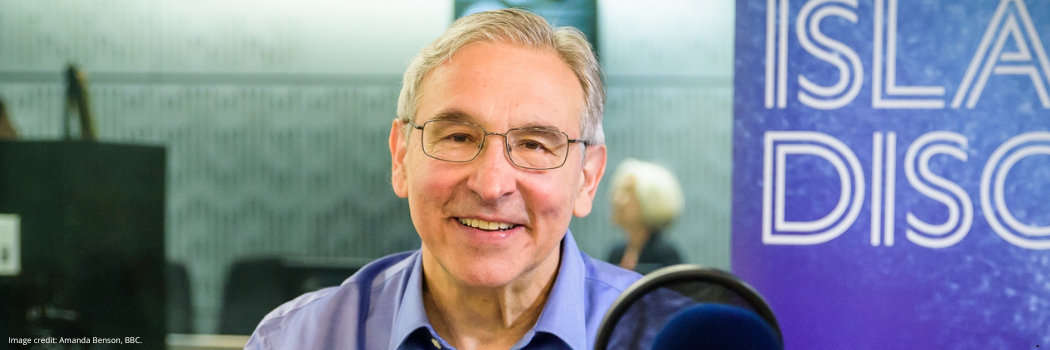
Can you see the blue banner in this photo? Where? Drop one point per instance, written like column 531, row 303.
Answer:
column 891, row 175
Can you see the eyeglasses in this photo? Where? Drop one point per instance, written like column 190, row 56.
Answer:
column 529, row 148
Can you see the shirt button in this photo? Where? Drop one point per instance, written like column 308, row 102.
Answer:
column 435, row 342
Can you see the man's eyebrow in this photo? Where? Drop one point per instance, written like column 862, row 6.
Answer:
column 537, row 126
column 461, row 116
column 454, row 114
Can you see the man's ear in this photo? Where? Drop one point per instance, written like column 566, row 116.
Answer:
column 593, row 169
column 398, row 150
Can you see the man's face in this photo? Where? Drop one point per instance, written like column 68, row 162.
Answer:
column 497, row 86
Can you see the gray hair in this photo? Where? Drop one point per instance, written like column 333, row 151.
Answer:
column 518, row 27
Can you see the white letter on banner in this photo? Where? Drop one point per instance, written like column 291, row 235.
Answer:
column 878, row 100
column 776, row 55
column 884, row 183
column 1010, row 29
column 778, row 144
column 1015, row 232
column 853, row 71
column 930, row 235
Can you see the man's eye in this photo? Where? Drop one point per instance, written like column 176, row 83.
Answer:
column 532, row 145
column 459, row 137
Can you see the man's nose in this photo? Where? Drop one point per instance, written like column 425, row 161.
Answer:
column 493, row 175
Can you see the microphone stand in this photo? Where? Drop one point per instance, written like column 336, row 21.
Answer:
column 7, row 131
column 77, row 98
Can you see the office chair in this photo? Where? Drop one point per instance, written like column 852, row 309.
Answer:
column 256, row 286
column 180, row 299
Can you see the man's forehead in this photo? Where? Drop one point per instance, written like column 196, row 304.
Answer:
column 520, row 55
column 483, row 83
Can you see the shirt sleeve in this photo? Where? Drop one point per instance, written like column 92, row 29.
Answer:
column 256, row 342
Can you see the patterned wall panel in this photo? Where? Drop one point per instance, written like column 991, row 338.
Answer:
column 225, row 36
column 253, row 170
column 102, row 34
column 242, row 36
column 666, row 38
column 669, row 65
column 688, row 130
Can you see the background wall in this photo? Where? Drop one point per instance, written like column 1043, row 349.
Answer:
column 275, row 115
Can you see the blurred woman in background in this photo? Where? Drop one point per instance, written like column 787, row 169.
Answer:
column 645, row 199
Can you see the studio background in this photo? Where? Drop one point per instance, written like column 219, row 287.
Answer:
column 275, row 115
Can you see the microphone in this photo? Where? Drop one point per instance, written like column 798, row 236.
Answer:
column 689, row 307
column 716, row 327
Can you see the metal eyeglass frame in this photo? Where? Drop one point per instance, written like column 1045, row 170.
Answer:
column 484, row 137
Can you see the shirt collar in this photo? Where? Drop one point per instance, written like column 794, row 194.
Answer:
column 410, row 313
column 562, row 315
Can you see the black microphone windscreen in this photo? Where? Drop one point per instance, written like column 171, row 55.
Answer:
column 716, row 327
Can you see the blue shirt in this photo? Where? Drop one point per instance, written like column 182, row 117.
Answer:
column 381, row 307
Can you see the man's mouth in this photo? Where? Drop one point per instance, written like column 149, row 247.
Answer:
column 486, row 225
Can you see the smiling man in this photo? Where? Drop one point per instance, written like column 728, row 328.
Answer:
column 498, row 143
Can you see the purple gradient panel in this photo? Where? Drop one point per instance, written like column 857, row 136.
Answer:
column 982, row 292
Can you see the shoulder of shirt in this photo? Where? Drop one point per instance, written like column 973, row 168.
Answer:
column 374, row 275
column 608, row 275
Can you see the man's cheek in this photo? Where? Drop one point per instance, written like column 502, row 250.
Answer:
column 553, row 193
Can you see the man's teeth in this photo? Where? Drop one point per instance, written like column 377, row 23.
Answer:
column 486, row 225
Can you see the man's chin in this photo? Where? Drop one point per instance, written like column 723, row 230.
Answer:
column 488, row 276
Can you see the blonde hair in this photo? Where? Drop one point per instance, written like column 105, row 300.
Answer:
column 657, row 189
column 518, row 27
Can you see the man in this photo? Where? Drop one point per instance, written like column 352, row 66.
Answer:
column 498, row 142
